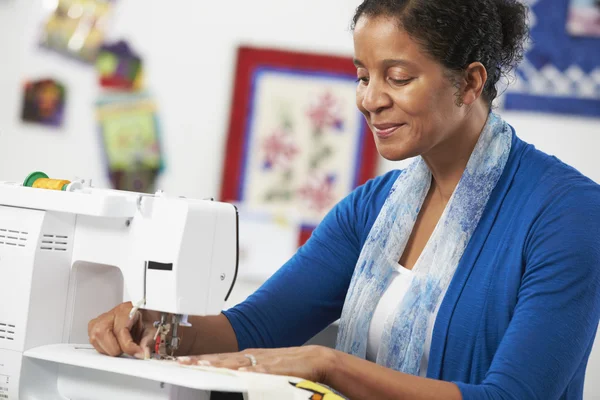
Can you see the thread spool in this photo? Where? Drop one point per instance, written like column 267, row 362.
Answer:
column 40, row 180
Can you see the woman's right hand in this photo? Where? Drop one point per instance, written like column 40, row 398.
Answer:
column 113, row 333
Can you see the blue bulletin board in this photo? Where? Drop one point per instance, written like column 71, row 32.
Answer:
column 560, row 72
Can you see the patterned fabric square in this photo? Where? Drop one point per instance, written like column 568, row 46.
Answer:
column 304, row 136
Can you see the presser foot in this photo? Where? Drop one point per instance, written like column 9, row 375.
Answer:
column 164, row 348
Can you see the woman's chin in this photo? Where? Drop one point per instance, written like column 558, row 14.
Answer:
column 395, row 153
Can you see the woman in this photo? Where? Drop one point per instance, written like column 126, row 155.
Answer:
column 474, row 273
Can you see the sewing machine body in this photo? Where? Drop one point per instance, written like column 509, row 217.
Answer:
column 68, row 256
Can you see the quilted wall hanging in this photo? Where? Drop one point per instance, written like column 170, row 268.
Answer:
column 560, row 72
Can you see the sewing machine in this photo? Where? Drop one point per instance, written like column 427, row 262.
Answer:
column 69, row 252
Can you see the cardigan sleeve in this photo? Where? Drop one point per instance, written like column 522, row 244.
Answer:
column 308, row 292
column 558, row 306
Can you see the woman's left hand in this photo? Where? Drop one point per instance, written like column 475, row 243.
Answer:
column 308, row 362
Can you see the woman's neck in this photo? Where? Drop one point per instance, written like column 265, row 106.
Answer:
column 448, row 160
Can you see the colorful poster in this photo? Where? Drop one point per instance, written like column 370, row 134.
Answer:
column 297, row 143
column 131, row 138
column 44, row 102
column 76, row 27
column 561, row 71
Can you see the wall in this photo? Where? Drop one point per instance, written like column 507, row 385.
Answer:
column 189, row 49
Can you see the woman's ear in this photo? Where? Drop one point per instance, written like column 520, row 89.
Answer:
column 474, row 81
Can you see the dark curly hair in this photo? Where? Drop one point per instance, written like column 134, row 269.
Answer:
column 459, row 32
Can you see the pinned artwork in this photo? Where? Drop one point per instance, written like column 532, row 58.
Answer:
column 584, row 18
column 76, row 27
column 297, row 144
column 118, row 67
column 560, row 72
column 131, row 138
column 44, row 102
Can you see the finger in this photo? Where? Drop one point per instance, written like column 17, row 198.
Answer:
column 195, row 360
column 107, row 342
column 187, row 360
column 147, row 343
column 97, row 346
column 127, row 345
column 229, row 361
column 134, row 320
column 91, row 326
column 214, row 359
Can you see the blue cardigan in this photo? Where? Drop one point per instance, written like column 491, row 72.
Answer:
column 519, row 318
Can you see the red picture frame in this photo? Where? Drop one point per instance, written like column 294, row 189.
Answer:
column 249, row 59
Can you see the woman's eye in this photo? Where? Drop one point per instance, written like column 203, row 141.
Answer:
column 400, row 81
column 363, row 79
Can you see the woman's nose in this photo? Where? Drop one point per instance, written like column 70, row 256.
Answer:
column 375, row 97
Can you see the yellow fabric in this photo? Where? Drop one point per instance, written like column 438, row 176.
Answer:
column 320, row 392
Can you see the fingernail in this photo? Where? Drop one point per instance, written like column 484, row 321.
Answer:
column 146, row 353
column 139, row 356
column 243, row 369
column 203, row 363
column 184, row 359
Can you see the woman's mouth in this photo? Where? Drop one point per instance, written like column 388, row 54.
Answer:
column 385, row 130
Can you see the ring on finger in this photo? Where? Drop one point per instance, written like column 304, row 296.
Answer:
column 251, row 358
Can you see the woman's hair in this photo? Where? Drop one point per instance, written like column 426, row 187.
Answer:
column 459, row 32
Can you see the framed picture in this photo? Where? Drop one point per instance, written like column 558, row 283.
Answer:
column 297, row 143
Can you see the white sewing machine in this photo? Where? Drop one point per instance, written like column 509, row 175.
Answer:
column 69, row 254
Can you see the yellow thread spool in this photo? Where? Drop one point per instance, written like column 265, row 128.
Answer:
column 52, row 184
column 41, row 181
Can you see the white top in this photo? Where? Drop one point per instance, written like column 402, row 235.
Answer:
column 386, row 307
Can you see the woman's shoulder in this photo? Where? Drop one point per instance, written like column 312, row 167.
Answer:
column 548, row 173
column 552, row 185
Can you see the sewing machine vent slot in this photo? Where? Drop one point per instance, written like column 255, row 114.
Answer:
column 7, row 331
column 54, row 242
column 9, row 237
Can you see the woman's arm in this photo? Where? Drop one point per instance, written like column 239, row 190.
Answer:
column 359, row 379
column 208, row 335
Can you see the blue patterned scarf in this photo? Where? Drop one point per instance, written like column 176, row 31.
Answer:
column 403, row 340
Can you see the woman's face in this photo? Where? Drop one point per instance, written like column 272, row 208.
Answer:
column 406, row 97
